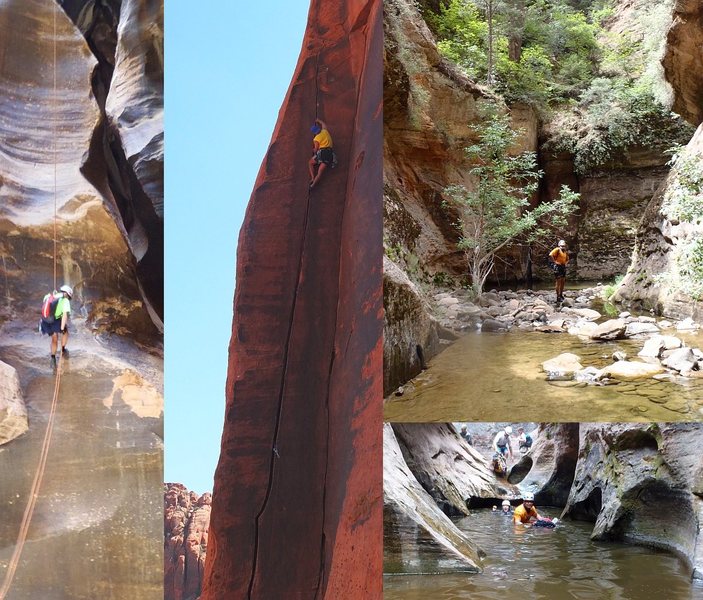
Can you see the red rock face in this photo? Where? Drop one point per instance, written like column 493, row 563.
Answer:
column 186, row 525
column 298, row 489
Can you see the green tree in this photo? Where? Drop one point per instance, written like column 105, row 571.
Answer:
column 497, row 213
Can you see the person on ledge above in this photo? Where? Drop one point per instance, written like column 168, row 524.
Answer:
column 323, row 153
column 559, row 258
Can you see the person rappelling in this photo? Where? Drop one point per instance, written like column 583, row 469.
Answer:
column 323, row 153
column 56, row 307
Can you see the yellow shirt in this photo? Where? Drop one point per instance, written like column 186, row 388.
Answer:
column 324, row 139
column 559, row 256
column 523, row 514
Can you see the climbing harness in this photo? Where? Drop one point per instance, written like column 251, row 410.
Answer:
column 41, row 467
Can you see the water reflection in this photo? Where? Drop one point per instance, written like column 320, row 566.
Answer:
column 486, row 376
column 560, row 564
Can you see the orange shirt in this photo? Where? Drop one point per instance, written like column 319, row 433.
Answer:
column 559, row 256
column 523, row 514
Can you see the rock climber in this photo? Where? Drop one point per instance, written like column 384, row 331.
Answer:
column 323, row 153
column 526, row 513
column 558, row 259
column 501, row 442
column 59, row 324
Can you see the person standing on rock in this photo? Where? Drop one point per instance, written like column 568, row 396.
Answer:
column 58, row 321
column 323, row 153
column 559, row 258
column 501, row 442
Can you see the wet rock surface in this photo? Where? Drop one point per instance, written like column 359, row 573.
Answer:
column 13, row 412
column 54, row 160
column 186, row 528
column 450, row 470
column 300, row 464
column 406, row 502
column 639, row 483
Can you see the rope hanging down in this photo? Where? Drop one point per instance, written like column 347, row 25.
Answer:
column 43, row 456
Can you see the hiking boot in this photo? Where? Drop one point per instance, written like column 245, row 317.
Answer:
column 53, row 361
column 64, row 352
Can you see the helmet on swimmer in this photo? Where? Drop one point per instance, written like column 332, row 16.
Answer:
column 528, row 497
column 505, row 503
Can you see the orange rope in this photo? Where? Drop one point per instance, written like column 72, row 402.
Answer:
column 34, row 490
column 39, row 475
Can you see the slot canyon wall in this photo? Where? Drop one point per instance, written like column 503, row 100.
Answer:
column 84, row 132
column 637, row 483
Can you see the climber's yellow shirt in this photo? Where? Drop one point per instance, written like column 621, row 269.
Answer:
column 324, row 139
column 523, row 514
column 559, row 256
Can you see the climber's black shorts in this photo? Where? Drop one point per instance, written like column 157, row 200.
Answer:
column 324, row 155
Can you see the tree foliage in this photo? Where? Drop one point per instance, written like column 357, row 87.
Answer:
column 496, row 212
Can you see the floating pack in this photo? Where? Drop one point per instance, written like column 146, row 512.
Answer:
column 48, row 307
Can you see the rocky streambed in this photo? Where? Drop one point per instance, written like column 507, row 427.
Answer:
column 521, row 353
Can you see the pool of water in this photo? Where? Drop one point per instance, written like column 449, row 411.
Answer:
column 558, row 564
column 498, row 376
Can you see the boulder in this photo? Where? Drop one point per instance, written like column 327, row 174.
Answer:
column 612, row 329
column 637, row 328
column 564, row 365
column 626, row 369
column 681, row 360
column 586, row 313
column 655, row 345
column 13, row 413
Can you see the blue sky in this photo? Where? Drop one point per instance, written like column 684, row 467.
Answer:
column 228, row 67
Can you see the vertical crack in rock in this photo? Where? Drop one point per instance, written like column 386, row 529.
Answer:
column 107, row 165
column 301, row 420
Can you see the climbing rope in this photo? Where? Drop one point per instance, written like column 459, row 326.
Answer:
column 43, row 456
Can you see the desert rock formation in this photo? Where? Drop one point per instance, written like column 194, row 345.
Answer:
column 300, row 466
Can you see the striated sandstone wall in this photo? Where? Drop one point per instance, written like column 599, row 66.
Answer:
column 53, row 147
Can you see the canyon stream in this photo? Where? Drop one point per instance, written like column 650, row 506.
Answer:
column 560, row 564
column 494, row 376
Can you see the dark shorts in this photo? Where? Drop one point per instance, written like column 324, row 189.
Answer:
column 324, row 155
column 51, row 328
column 559, row 271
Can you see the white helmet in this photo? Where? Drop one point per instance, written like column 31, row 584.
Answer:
column 506, row 503
column 508, row 430
column 67, row 289
column 528, row 497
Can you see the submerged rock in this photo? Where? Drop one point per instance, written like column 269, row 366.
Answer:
column 564, row 365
